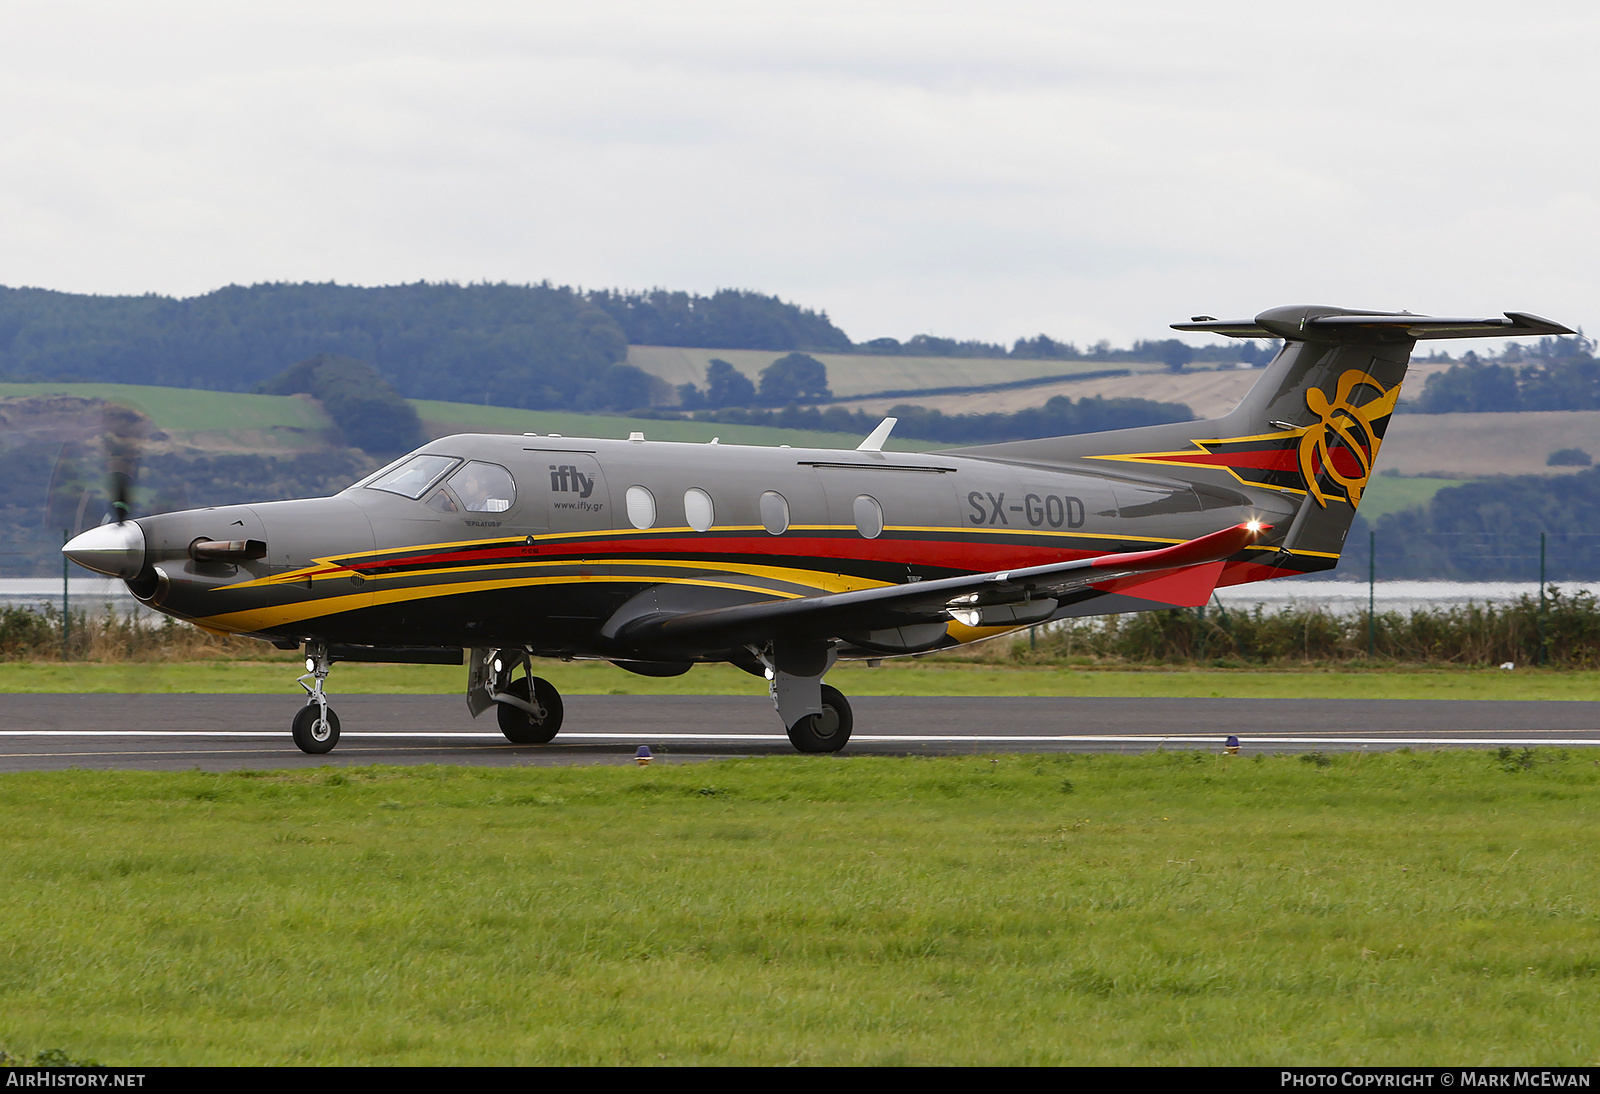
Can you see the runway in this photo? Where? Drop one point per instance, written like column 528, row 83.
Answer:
column 226, row 732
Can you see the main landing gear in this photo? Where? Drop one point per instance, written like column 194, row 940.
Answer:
column 828, row 731
column 816, row 715
column 528, row 708
column 316, row 726
column 530, row 711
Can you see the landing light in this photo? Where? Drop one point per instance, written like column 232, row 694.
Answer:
column 311, row 664
column 497, row 666
column 1253, row 525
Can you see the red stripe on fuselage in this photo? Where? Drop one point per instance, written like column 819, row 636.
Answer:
column 790, row 551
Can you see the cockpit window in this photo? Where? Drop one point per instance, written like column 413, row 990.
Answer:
column 412, row 478
column 484, row 487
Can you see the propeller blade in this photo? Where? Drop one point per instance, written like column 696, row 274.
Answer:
column 124, row 429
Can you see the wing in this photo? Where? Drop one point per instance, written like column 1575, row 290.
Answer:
column 976, row 600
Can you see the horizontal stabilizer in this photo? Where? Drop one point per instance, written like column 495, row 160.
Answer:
column 1315, row 324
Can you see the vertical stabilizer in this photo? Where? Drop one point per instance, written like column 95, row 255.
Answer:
column 1309, row 430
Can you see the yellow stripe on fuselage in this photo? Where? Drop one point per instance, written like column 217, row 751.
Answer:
column 253, row 620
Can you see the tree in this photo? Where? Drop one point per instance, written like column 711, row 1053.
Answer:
column 1044, row 346
column 1471, row 386
column 615, row 387
column 793, row 378
column 1175, row 354
column 363, row 405
column 727, row 386
column 727, row 319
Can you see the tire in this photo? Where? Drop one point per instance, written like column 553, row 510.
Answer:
column 828, row 731
column 522, row 728
column 312, row 736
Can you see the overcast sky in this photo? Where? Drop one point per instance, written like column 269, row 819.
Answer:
column 974, row 170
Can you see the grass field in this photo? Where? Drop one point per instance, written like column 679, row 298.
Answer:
column 912, row 677
column 180, row 410
column 1391, row 494
column 1389, row 908
column 227, row 420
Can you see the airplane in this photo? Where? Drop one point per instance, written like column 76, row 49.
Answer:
column 657, row 556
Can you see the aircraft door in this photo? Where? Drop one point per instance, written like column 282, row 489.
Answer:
column 575, row 488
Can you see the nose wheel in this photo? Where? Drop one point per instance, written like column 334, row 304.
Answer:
column 316, row 726
column 316, row 729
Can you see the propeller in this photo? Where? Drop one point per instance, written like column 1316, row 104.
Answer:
column 123, row 430
column 70, row 496
column 117, row 546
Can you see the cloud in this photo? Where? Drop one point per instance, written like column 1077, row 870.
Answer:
column 978, row 170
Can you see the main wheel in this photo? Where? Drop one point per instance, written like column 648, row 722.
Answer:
column 522, row 728
column 825, row 732
column 312, row 733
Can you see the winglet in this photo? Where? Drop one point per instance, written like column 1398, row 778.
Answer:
column 875, row 439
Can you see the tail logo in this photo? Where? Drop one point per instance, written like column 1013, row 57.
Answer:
column 1331, row 460
column 1345, row 433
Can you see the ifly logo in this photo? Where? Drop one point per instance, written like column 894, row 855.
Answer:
column 569, row 480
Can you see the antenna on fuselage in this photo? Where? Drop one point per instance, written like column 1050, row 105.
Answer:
column 875, row 439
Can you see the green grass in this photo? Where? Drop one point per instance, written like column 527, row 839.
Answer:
column 1392, row 493
column 176, row 409
column 906, row 677
column 1163, row 909
column 278, row 422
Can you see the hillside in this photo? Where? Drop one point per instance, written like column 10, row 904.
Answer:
column 853, row 375
column 217, row 448
column 208, row 447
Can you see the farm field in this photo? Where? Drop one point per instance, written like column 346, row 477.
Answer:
column 1208, row 390
column 911, row 677
column 1419, row 446
column 1392, row 493
column 440, row 419
column 1164, row 909
column 1475, row 446
column 1210, row 394
column 232, row 421
column 851, row 374
column 215, row 420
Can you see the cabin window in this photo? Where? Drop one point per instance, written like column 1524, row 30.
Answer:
column 412, row 478
column 774, row 512
column 869, row 516
column 484, row 487
column 697, row 509
column 641, row 507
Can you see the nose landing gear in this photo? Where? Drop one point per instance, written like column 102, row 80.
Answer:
column 316, row 726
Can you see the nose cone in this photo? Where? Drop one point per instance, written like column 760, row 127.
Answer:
column 115, row 549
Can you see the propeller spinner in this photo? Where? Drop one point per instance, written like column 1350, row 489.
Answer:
column 116, row 548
